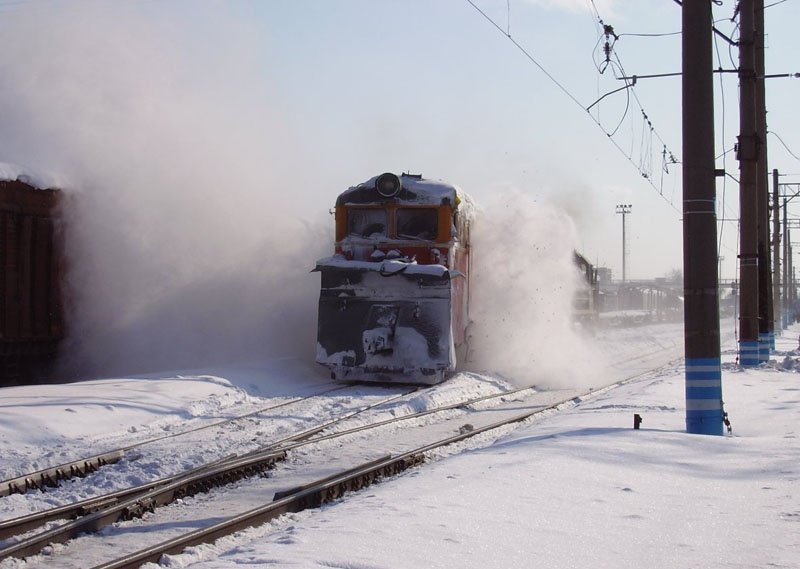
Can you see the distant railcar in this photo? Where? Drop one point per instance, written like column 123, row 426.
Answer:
column 586, row 302
column 31, row 316
column 394, row 300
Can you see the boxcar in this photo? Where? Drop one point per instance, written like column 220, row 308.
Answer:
column 31, row 316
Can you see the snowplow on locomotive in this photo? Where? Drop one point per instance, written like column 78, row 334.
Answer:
column 394, row 297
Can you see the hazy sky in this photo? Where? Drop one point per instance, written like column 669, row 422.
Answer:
column 357, row 87
column 202, row 145
column 433, row 87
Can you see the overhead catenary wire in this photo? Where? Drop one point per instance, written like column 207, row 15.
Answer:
column 775, row 134
column 527, row 54
column 724, row 155
column 612, row 60
column 663, row 35
column 570, row 96
column 641, row 108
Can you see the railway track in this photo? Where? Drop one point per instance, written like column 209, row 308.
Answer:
column 132, row 502
column 302, row 473
column 53, row 476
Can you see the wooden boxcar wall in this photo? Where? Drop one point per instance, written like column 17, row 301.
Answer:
column 31, row 321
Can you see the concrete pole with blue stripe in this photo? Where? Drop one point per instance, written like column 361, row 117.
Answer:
column 766, row 328
column 776, row 257
column 700, row 278
column 747, row 154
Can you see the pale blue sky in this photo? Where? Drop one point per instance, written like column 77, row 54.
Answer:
column 432, row 86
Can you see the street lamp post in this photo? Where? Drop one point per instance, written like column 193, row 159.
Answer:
column 624, row 209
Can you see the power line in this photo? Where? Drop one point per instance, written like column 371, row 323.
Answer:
column 528, row 55
column 724, row 155
column 596, row 12
column 646, row 140
column 574, row 99
column 651, row 35
column 775, row 134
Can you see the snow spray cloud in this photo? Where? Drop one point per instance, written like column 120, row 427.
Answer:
column 523, row 280
column 184, row 245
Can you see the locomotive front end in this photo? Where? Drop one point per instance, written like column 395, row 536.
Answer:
column 392, row 302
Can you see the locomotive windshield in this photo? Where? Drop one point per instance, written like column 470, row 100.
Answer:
column 367, row 222
column 417, row 223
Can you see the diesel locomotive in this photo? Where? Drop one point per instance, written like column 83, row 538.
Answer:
column 394, row 297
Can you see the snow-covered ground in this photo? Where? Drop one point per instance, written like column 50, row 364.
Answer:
column 578, row 488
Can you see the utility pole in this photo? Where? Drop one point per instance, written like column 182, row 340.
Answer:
column 792, row 294
column 704, row 412
column 766, row 327
column 747, row 154
column 776, row 253
column 624, row 209
column 787, row 300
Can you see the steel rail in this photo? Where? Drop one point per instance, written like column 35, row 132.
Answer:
column 417, row 415
column 110, row 502
column 52, row 476
column 306, row 434
column 16, row 526
column 310, row 496
column 296, row 444
column 142, row 501
column 147, row 502
column 236, row 418
column 333, row 487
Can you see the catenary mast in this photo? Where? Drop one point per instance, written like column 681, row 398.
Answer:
column 701, row 305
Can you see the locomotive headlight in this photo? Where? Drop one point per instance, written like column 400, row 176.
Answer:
column 388, row 185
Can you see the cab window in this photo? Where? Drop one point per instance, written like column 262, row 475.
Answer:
column 417, row 223
column 366, row 222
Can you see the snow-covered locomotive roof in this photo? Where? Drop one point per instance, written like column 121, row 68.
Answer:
column 415, row 190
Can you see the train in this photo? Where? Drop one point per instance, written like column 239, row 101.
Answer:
column 394, row 301
column 31, row 269
column 586, row 301
column 394, row 296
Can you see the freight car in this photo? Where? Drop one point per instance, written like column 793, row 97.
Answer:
column 31, row 321
column 586, row 301
column 394, row 300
